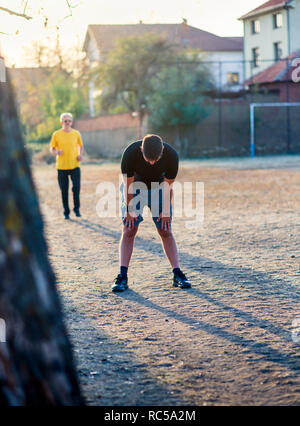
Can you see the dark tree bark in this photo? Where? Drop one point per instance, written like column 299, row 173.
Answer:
column 36, row 362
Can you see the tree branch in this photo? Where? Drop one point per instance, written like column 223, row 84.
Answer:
column 12, row 12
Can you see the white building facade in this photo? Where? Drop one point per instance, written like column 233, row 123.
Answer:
column 227, row 69
column 271, row 33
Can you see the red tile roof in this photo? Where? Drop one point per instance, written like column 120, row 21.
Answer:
column 183, row 34
column 278, row 72
column 107, row 122
column 265, row 7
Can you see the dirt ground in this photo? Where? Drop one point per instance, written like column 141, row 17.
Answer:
column 226, row 341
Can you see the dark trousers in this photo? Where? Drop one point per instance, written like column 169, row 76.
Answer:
column 63, row 181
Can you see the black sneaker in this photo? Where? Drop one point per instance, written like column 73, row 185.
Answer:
column 120, row 283
column 77, row 213
column 180, row 280
column 67, row 217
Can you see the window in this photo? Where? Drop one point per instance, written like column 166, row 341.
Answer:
column 232, row 78
column 256, row 57
column 278, row 52
column 277, row 20
column 255, row 26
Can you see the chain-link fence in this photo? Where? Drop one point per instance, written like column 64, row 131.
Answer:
column 224, row 126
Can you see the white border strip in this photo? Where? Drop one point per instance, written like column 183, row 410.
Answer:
column 2, row 71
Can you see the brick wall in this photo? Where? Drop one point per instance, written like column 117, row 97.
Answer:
column 107, row 136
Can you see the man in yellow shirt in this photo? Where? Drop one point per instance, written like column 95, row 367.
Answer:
column 67, row 145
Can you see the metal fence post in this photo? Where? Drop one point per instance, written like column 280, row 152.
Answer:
column 288, row 115
column 220, row 104
column 252, row 130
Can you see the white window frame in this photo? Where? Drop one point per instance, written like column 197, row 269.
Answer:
column 276, row 50
column 231, row 73
column 275, row 23
column 255, row 26
column 256, row 60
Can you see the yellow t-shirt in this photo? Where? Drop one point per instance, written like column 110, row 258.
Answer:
column 69, row 143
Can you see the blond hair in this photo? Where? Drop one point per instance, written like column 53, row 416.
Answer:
column 66, row 114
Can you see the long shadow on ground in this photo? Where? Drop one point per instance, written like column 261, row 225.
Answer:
column 111, row 374
column 269, row 353
column 228, row 274
column 260, row 282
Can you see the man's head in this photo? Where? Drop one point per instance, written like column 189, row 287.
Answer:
column 152, row 148
column 66, row 120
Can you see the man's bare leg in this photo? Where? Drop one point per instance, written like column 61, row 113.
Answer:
column 170, row 247
column 126, row 245
column 125, row 248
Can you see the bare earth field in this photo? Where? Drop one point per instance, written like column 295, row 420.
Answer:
column 226, row 341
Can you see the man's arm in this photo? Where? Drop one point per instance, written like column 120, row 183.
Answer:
column 53, row 146
column 165, row 215
column 128, row 181
column 169, row 187
column 129, row 215
column 169, row 179
column 80, row 150
column 127, row 169
column 55, row 151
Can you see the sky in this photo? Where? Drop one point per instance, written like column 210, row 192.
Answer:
column 217, row 16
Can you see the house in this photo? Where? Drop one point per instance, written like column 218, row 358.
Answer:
column 271, row 32
column 281, row 78
column 223, row 54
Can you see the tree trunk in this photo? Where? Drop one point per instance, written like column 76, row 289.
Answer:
column 36, row 362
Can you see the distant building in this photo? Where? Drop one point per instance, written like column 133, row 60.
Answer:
column 271, row 32
column 100, row 39
column 279, row 78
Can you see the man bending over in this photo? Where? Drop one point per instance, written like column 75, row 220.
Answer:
column 149, row 169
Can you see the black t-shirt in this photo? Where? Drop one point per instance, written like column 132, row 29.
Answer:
column 134, row 164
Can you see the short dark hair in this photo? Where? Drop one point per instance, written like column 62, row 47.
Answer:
column 152, row 147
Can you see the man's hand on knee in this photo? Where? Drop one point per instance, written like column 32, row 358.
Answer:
column 129, row 220
column 165, row 222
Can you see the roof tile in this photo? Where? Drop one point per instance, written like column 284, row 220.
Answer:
column 183, row 34
column 269, row 5
column 279, row 71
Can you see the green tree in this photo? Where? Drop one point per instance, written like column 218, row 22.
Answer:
column 148, row 74
column 60, row 95
column 178, row 98
column 125, row 76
